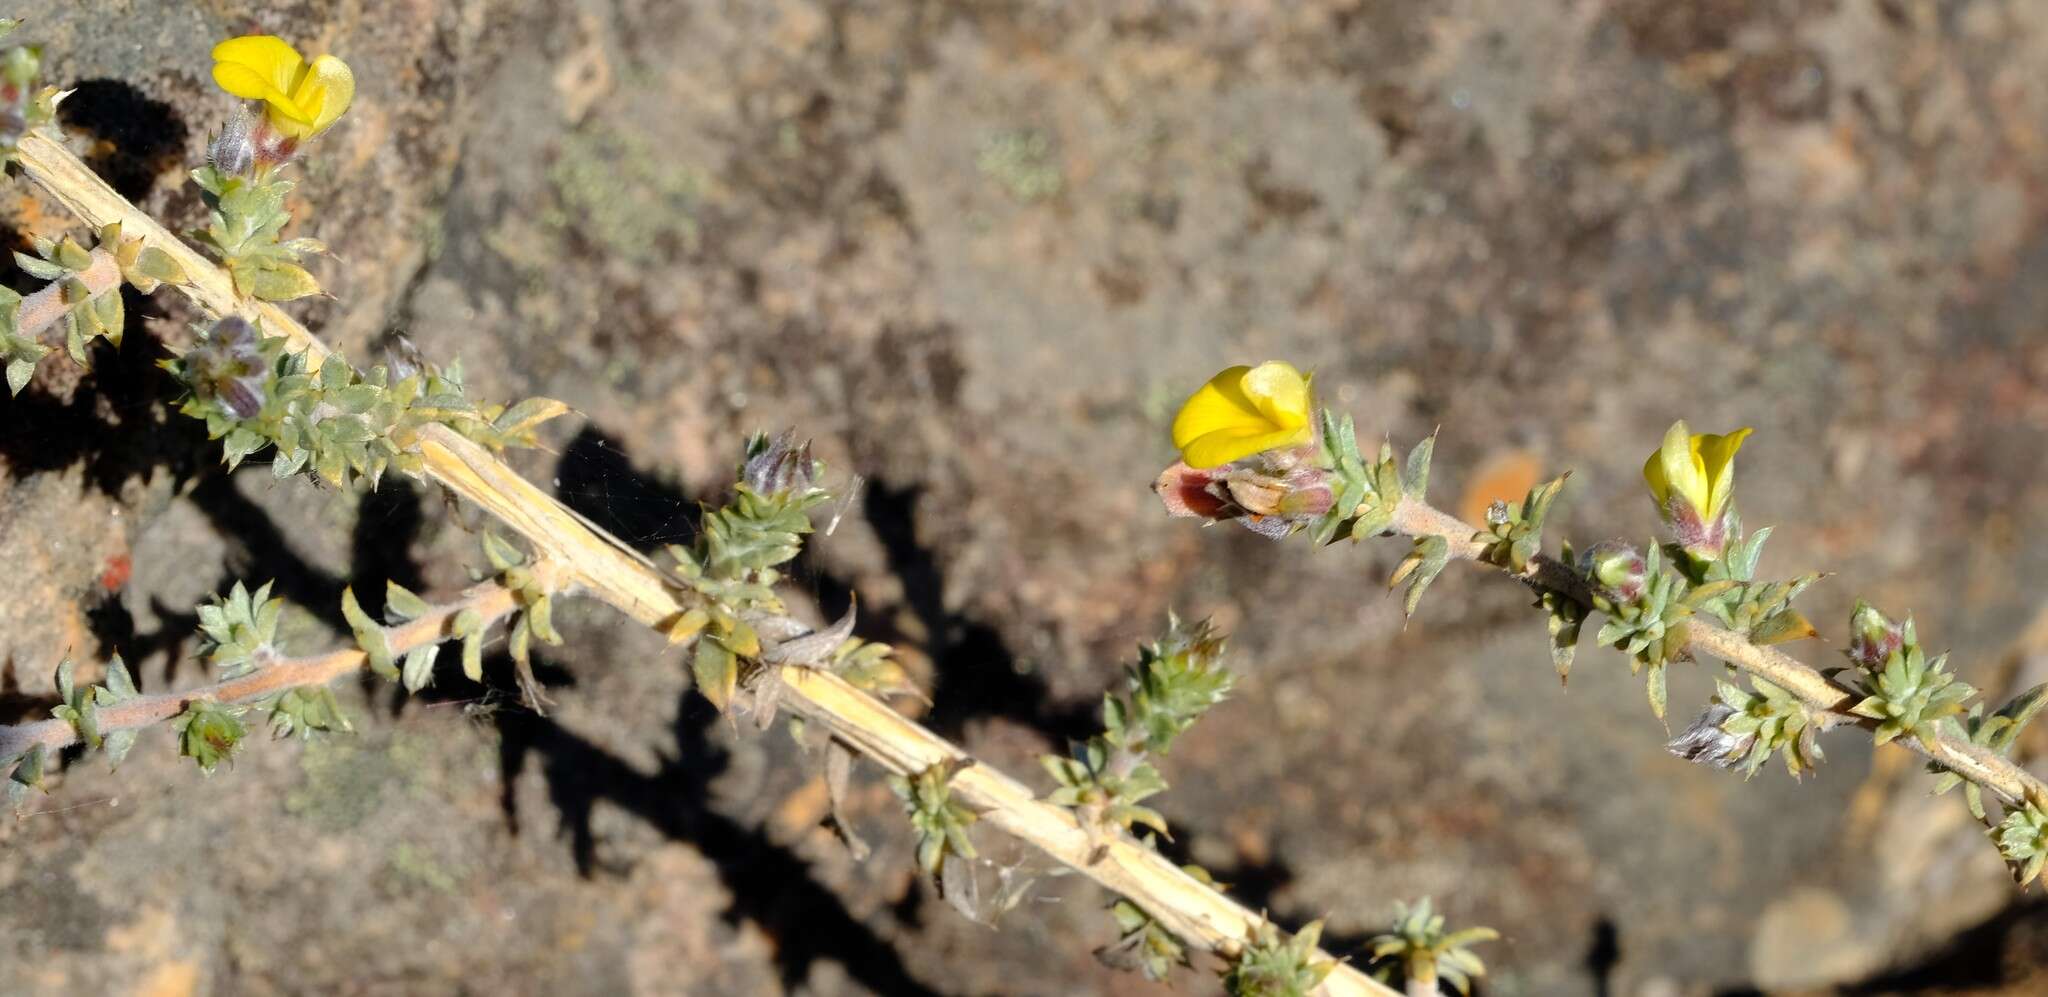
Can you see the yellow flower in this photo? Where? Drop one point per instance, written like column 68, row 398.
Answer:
column 1244, row 411
column 300, row 99
column 1697, row 467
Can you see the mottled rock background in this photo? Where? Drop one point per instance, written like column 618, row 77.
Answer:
column 979, row 250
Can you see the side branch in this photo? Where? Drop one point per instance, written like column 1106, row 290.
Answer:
column 607, row 568
column 1829, row 700
column 490, row 601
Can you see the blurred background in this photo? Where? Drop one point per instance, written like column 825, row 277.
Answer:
column 980, row 252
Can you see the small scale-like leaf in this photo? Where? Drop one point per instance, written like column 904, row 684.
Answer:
column 119, row 683
column 369, row 636
column 38, row 268
column 158, row 265
column 401, row 604
column 117, row 746
column 716, row 671
column 18, row 373
column 500, row 553
column 419, row 667
column 1415, row 475
column 279, row 282
column 686, row 625
column 473, row 656
column 1783, row 627
column 528, row 415
column 541, row 617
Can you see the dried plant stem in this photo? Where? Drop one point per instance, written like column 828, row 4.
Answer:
column 489, row 600
column 598, row 562
column 1828, row 700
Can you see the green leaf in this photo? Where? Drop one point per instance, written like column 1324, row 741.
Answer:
column 528, row 415
column 1415, row 475
column 369, row 636
column 278, row 281
column 1782, row 627
column 717, row 673
column 160, row 266
column 1420, row 568
column 540, row 616
column 117, row 745
column 502, row 555
column 473, row 656
column 120, row 685
column 418, row 671
column 401, row 605
column 18, row 373
column 39, row 269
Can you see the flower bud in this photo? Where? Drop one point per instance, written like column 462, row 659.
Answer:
column 779, row 465
column 1269, row 504
column 1706, row 743
column 1692, row 480
column 1873, row 637
column 233, row 151
column 18, row 67
column 229, row 368
column 1616, row 568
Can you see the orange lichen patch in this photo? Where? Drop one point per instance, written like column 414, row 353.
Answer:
column 32, row 217
column 803, row 810
column 1505, row 475
column 172, row 979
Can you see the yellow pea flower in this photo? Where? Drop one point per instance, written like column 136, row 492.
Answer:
column 1244, row 411
column 300, row 99
column 1696, row 467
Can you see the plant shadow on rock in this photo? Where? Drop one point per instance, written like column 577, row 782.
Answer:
column 976, row 675
column 139, row 138
column 771, row 886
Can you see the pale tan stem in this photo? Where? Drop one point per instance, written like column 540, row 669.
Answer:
column 1828, row 700
column 616, row 574
column 490, row 601
column 43, row 309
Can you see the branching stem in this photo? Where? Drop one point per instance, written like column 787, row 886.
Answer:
column 1828, row 700
column 489, row 600
column 613, row 572
column 46, row 308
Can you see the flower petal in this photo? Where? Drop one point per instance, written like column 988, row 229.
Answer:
column 1679, row 464
column 1225, row 445
column 328, row 90
column 242, row 81
column 1717, row 454
column 1218, row 405
column 1280, row 392
column 266, row 58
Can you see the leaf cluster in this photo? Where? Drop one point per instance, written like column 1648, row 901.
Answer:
column 79, row 706
column 246, row 216
column 1275, row 966
column 1646, row 628
column 1996, row 734
column 1909, row 694
column 1766, row 721
column 1514, row 530
column 341, row 424
column 23, row 107
column 210, row 732
column 1364, row 494
column 240, row 630
column 940, row 821
column 1420, row 948
column 735, row 564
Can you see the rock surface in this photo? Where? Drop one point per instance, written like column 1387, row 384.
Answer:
column 979, row 251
